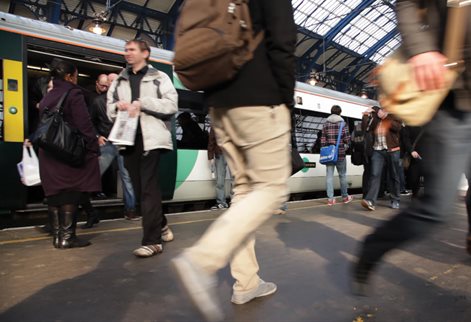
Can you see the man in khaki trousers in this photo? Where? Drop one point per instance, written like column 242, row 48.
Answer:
column 251, row 120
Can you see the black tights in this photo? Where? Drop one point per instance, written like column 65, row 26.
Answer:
column 71, row 208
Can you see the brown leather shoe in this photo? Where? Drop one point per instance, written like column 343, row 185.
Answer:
column 131, row 215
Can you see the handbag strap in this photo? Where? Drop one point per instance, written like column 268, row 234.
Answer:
column 455, row 30
column 417, row 139
column 59, row 106
column 340, row 135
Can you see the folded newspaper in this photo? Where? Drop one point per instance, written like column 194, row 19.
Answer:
column 124, row 129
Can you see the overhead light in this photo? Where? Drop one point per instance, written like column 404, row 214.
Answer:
column 363, row 94
column 312, row 81
column 96, row 27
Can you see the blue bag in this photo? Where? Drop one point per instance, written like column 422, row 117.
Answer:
column 330, row 154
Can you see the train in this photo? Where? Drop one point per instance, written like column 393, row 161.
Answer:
column 29, row 45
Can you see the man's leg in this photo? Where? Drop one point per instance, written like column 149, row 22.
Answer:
column 366, row 177
column 394, row 177
column 128, row 190
column 377, row 165
column 446, row 156
column 402, row 176
column 151, row 199
column 107, row 154
column 342, row 170
column 329, row 180
column 220, row 164
column 267, row 161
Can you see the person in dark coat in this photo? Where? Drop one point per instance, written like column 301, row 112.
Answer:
column 63, row 184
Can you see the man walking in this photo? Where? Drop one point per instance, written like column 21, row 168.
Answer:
column 330, row 133
column 251, row 121
column 109, row 152
column 446, row 149
column 385, row 130
column 148, row 94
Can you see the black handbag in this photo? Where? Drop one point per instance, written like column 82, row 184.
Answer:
column 55, row 136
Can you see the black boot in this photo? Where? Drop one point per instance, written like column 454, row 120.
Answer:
column 92, row 219
column 68, row 239
column 53, row 215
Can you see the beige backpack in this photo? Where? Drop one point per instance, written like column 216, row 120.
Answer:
column 213, row 40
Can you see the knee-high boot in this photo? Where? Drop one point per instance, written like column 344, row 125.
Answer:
column 68, row 223
column 55, row 226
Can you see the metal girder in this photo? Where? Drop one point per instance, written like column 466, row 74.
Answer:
column 359, row 62
column 332, row 33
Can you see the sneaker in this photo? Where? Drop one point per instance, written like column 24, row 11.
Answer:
column 219, row 206
column 200, row 286
column 368, row 205
column 148, row 250
column 131, row 215
column 406, row 193
column 263, row 289
column 347, row 199
column 331, row 202
column 167, row 234
column 395, row 204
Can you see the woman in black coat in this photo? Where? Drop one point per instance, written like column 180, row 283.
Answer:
column 63, row 184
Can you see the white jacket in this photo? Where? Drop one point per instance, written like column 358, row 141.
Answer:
column 159, row 102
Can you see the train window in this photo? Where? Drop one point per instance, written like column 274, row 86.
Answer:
column 1, row 100
column 192, row 129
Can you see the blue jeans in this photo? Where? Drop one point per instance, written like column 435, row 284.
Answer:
column 378, row 160
column 402, row 177
column 108, row 153
column 221, row 165
column 342, row 170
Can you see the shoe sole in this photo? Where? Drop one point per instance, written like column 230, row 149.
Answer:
column 256, row 297
column 199, row 296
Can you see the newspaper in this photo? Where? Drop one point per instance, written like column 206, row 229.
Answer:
column 124, row 129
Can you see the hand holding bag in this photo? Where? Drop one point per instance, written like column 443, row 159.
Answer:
column 30, row 167
column 55, row 136
column 330, row 153
column 399, row 93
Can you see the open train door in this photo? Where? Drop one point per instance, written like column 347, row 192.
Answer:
column 12, row 120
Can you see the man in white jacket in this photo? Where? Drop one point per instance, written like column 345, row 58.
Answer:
column 147, row 93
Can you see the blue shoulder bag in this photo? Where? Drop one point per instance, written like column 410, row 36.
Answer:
column 330, row 154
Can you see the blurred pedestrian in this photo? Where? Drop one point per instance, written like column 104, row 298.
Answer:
column 218, row 166
column 447, row 152
column 251, row 121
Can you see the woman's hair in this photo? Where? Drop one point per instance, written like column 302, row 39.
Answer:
column 59, row 68
column 336, row 110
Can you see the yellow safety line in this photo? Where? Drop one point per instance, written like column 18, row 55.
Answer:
column 25, row 240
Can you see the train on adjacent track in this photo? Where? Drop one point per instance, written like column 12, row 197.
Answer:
column 28, row 47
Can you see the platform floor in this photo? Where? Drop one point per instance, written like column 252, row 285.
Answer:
column 307, row 253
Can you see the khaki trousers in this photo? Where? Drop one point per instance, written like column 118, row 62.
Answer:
column 256, row 144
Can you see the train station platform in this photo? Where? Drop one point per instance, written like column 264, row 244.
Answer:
column 307, row 252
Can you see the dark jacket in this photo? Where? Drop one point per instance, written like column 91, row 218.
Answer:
column 213, row 148
column 269, row 78
column 57, row 176
column 393, row 134
column 330, row 133
column 100, row 119
column 420, row 36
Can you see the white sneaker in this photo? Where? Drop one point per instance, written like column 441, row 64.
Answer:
column 148, row 250
column 263, row 289
column 167, row 234
column 200, row 286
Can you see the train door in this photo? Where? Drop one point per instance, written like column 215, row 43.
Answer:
column 12, row 120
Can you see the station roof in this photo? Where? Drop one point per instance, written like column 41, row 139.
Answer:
column 340, row 41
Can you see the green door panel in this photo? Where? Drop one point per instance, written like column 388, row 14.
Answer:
column 168, row 161
column 186, row 163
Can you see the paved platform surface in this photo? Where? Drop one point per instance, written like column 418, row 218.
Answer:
column 307, row 253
